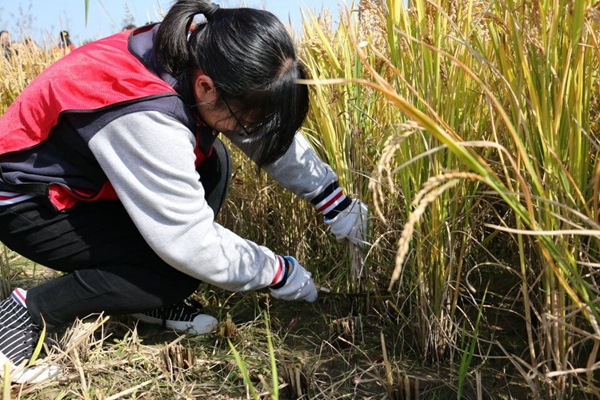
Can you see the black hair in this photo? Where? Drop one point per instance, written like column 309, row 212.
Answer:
column 250, row 57
column 64, row 39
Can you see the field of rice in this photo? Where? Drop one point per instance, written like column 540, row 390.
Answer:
column 470, row 127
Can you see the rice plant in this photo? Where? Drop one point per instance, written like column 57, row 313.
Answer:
column 519, row 119
column 25, row 64
column 490, row 157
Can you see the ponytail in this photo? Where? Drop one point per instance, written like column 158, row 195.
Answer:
column 252, row 60
column 172, row 50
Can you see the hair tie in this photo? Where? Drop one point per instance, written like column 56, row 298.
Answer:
column 209, row 13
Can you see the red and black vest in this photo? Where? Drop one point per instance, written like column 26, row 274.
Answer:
column 44, row 133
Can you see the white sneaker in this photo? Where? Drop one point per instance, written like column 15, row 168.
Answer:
column 19, row 335
column 35, row 374
column 182, row 317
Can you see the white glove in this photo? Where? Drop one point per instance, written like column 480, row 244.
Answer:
column 351, row 223
column 299, row 284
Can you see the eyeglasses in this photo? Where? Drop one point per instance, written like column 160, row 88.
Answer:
column 247, row 130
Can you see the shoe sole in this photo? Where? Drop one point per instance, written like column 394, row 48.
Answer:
column 202, row 324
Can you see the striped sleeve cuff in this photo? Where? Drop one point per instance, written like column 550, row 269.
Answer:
column 331, row 201
column 281, row 275
column 20, row 296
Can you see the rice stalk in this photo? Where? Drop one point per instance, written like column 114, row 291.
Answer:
column 548, row 167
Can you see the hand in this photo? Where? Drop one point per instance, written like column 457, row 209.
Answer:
column 351, row 223
column 298, row 285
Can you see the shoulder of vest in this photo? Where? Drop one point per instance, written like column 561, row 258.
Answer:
column 88, row 123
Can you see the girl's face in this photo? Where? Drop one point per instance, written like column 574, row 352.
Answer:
column 220, row 118
column 215, row 113
column 5, row 38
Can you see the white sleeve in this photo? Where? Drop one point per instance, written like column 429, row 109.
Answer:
column 149, row 160
column 299, row 170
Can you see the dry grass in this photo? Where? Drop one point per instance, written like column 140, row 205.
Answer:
column 318, row 355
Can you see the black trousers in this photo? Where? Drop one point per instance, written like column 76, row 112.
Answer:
column 109, row 267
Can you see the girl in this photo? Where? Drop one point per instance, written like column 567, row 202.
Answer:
column 65, row 46
column 111, row 171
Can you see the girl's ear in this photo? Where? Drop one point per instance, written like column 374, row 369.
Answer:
column 204, row 89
